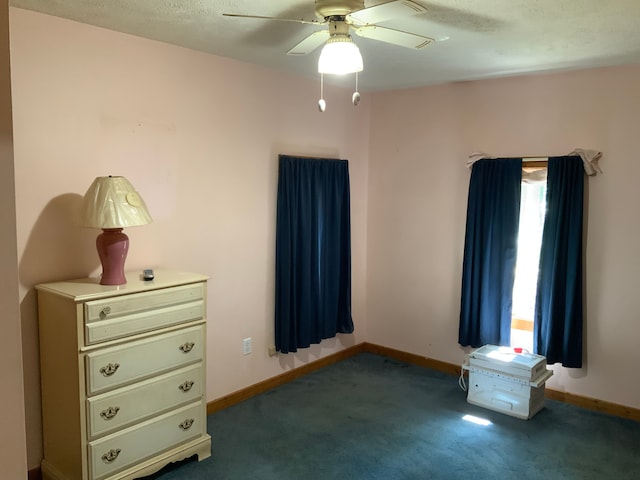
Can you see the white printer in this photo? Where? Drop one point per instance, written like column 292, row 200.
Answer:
column 507, row 380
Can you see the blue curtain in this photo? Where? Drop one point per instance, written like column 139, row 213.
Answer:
column 557, row 327
column 490, row 249
column 313, row 252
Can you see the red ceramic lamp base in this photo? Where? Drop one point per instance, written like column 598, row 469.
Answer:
column 113, row 246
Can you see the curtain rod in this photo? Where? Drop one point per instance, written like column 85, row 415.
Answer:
column 590, row 159
column 312, row 157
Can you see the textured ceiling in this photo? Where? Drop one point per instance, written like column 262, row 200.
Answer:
column 474, row 38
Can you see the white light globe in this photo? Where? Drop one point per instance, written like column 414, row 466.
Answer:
column 340, row 56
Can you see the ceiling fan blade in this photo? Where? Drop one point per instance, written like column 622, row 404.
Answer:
column 395, row 37
column 260, row 17
column 385, row 11
column 310, row 43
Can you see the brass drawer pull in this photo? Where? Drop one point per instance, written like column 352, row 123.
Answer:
column 186, row 425
column 111, row 455
column 186, row 347
column 186, row 386
column 104, row 312
column 109, row 369
column 109, row 413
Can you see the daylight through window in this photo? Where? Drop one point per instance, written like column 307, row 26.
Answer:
column 532, row 212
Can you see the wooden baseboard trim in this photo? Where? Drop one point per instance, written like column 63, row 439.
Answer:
column 425, row 362
column 450, row 368
column 594, row 404
column 273, row 382
column 438, row 365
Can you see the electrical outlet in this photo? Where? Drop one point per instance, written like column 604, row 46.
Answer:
column 272, row 350
column 246, row 346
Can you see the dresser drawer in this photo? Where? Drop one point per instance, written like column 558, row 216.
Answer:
column 111, row 411
column 118, row 317
column 116, row 452
column 117, row 366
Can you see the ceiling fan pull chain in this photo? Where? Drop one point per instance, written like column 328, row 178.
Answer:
column 356, row 95
column 322, row 105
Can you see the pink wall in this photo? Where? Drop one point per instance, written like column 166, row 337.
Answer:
column 13, row 452
column 199, row 137
column 418, row 185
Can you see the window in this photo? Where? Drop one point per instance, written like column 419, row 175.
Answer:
column 489, row 264
column 532, row 211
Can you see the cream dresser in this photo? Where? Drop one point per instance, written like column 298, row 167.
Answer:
column 123, row 375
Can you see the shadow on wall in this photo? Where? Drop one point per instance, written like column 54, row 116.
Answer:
column 58, row 248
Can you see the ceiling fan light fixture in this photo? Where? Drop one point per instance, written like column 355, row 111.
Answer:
column 340, row 56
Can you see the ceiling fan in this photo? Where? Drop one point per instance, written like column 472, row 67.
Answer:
column 340, row 55
column 343, row 16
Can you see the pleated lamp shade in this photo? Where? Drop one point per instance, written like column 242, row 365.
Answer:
column 112, row 203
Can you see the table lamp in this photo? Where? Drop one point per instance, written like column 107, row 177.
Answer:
column 112, row 204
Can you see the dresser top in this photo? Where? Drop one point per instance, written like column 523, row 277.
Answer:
column 84, row 289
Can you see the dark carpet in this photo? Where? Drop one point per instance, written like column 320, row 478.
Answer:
column 371, row 417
